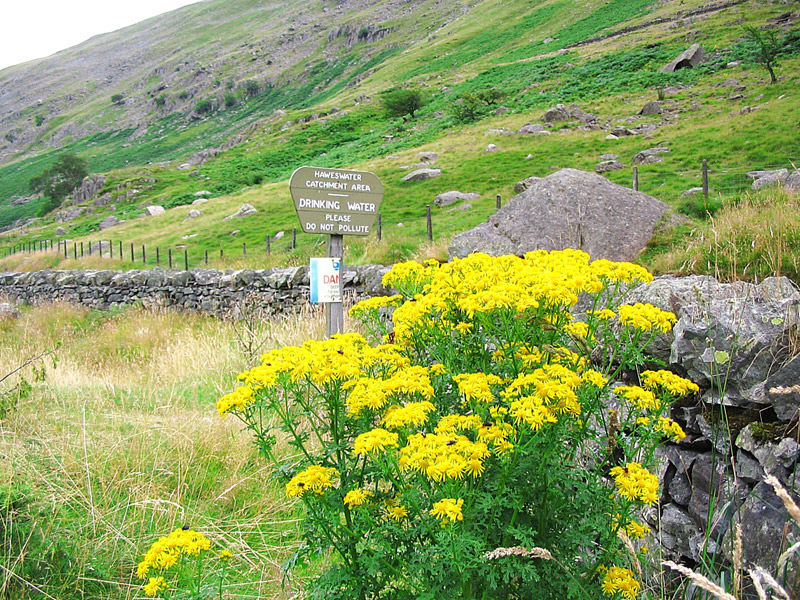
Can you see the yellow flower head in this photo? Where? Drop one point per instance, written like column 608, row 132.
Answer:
column 374, row 441
column 165, row 552
column 313, row 480
column 154, row 586
column 413, row 413
column 639, row 397
column 668, row 381
column 395, row 511
column 621, row 581
column 646, row 317
column 634, row 482
column 357, row 497
column 448, row 510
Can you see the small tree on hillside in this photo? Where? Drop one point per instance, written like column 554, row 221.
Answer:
column 402, row 103
column 768, row 47
column 59, row 180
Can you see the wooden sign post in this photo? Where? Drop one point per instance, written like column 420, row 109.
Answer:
column 336, row 202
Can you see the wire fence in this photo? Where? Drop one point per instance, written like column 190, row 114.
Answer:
column 704, row 182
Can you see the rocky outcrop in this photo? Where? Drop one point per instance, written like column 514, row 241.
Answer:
column 88, row 189
column 108, row 222
column 568, row 209
column 730, row 337
column 556, row 114
column 651, row 108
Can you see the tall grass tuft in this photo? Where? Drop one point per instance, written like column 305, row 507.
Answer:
column 752, row 237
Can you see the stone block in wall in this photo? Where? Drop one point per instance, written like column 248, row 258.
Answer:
column 677, row 528
column 729, row 336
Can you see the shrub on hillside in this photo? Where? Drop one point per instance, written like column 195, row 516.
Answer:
column 402, row 103
column 56, row 182
column 204, row 107
column 482, row 449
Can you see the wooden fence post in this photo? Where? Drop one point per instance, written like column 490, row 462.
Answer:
column 499, row 201
column 636, row 178
column 169, row 251
column 205, row 256
column 294, row 238
column 380, row 226
column 705, row 178
column 268, row 240
column 244, row 249
column 144, row 255
column 185, row 259
column 430, row 222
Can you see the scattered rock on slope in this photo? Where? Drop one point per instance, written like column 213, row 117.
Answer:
column 422, row 174
column 568, row 209
column 245, row 210
column 447, row 198
column 689, row 58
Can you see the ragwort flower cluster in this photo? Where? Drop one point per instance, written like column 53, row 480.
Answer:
column 164, row 560
column 483, row 409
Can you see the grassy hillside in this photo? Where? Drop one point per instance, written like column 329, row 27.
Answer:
column 534, row 55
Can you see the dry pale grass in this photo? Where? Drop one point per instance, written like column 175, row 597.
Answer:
column 121, row 442
column 755, row 237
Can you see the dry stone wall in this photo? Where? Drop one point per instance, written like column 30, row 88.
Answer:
column 279, row 290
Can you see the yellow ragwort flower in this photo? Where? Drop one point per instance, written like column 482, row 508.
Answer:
column 357, row 497
column 448, row 510
column 621, row 581
column 315, row 479
column 374, row 441
column 634, row 482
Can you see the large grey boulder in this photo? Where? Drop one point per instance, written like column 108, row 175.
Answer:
column 558, row 113
column 8, row 311
column 689, row 58
column 531, row 128
column 427, row 157
column 651, row 108
column 568, row 209
column 72, row 213
column 729, row 337
column 447, row 198
column 422, row 174
column 153, row 210
column 762, row 179
column 792, row 182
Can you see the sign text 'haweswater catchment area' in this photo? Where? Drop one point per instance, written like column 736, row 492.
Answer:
column 336, row 201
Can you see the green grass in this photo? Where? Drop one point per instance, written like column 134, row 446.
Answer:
column 117, row 442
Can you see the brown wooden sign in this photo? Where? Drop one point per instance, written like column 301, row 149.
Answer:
column 336, row 201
